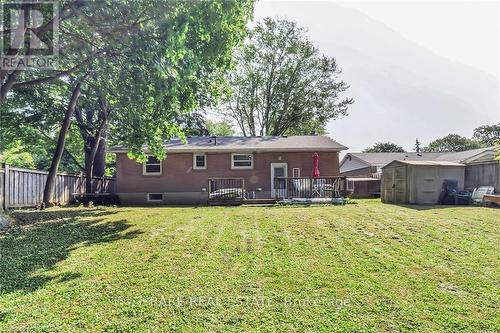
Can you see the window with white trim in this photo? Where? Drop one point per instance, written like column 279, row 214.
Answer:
column 199, row 161
column 155, row 196
column 241, row 161
column 152, row 166
column 296, row 172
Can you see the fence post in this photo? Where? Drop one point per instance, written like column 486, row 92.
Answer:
column 6, row 186
column 2, row 185
column 81, row 187
column 345, row 186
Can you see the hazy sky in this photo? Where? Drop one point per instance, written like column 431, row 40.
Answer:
column 464, row 31
column 405, row 63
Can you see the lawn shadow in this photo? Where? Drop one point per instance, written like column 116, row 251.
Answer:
column 38, row 241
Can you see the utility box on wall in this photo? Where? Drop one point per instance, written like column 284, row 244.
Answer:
column 419, row 182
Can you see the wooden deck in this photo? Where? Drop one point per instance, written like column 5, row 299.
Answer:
column 237, row 202
column 232, row 191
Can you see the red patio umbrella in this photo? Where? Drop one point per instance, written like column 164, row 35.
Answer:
column 315, row 165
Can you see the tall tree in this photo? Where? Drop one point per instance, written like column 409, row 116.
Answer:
column 384, row 147
column 282, row 84
column 56, row 159
column 30, row 123
column 452, row 142
column 418, row 148
column 166, row 53
column 487, row 134
column 92, row 119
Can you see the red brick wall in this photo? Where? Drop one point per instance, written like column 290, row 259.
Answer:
column 178, row 174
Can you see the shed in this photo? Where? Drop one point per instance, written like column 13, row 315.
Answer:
column 419, row 182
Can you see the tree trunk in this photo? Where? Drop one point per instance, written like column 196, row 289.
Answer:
column 87, row 149
column 100, row 159
column 7, row 86
column 90, row 155
column 89, row 163
column 56, row 159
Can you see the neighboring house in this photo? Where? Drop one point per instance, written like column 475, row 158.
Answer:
column 183, row 177
column 481, row 167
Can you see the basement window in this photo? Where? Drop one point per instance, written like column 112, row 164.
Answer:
column 155, row 197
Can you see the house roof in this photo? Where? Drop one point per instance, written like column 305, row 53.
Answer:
column 431, row 163
column 248, row 143
column 381, row 159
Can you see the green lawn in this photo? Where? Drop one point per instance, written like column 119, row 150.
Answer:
column 361, row 267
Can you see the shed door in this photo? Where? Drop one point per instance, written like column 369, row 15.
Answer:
column 387, row 177
column 399, row 184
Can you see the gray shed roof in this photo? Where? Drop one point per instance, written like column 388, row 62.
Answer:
column 251, row 143
column 381, row 159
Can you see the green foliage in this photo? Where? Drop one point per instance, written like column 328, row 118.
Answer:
column 153, row 61
column 487, row 134
column 453, row 142
column 110, row 165
column 17, row 157
column 282, row 84
column 168, row 78
column 311, row 127
column 384, row 147
column 30, row 124
column 219, row 128
column 369, row 267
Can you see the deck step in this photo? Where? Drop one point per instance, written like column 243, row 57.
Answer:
column 236, row 202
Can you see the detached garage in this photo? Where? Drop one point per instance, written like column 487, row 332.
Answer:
column 419, row 182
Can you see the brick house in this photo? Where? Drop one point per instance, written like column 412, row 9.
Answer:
column 193, row 171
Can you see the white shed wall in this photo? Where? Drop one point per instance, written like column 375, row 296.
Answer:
column 426, row 182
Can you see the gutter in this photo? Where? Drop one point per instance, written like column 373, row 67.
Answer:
column 243, row 150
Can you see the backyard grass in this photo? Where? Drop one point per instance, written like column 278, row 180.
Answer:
column 363, row 267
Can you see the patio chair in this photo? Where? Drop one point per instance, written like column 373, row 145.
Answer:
column 478, row 194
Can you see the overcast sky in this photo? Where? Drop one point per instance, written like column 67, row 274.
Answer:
column 465, row 32
column 443, row 30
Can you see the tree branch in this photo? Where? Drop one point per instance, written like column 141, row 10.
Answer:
column 68, row 153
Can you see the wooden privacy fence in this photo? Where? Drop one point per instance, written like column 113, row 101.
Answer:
column 24, row 187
